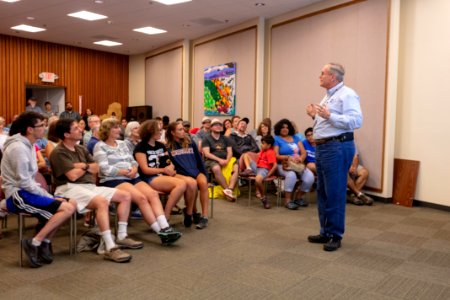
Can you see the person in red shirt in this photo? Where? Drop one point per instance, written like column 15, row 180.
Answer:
column 265, row 166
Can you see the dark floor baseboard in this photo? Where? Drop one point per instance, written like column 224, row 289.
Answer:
column 415, row 203
column 431, row 205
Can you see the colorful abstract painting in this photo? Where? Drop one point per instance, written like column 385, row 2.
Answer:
column 220, row 90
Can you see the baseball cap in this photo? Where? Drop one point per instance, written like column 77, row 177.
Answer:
column 206, row 119
column 215, row 121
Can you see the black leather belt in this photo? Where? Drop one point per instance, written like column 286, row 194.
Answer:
column 345, row 137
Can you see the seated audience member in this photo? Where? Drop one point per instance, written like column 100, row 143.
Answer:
column 24, row 195
column 242, row 142
column 118, row 169
column 187, row 128
column 3, row 134
column 82, row 126
column 227, row 127
column 357, row 178
column 218, row 153
column 265, row 166
column 52, row 138
column 155, row 167
column 123, row 126
column 310, row 147
column 263, row 129
column 234, row 123
column 132, row 137
column 189, row 165
column 204, row 131
column 162, row 138
column 87, row 113
column 290, row 150
column 95, row 137
column 73, row 174
column 93, row 120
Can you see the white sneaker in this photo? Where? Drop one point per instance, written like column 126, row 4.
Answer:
column 229, row 194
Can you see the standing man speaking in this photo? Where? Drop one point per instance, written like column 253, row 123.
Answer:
column 335, row 119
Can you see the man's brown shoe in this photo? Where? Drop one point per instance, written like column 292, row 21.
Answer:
column 117, row 255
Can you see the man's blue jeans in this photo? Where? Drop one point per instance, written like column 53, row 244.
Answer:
column 333, row 160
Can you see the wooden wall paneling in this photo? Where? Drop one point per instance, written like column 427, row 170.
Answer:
column 100, row 77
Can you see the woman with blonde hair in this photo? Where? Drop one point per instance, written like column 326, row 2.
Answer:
column 117, row 168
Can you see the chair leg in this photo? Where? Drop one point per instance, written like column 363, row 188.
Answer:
column 20, row 225
column 212, row 201
column 249, row 191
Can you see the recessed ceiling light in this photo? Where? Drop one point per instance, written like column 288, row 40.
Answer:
column 149, row 30
column 86, row 15
column 260, row 4
column 30, row 18
column 98, row 1
column 11, row 1
column 171, row 2
column 108, row 43
column 28, row 28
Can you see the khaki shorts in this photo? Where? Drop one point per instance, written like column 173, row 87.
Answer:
column 83, row 193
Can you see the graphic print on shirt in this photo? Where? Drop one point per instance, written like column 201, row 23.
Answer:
column 153, row 157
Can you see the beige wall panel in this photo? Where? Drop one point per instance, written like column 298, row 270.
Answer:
column 239, row 47
column 423, row 106
column 353, row 35
column 163, row 83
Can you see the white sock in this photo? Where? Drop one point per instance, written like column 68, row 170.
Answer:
column 122, row 230
column 155, row 226
column 162, row 221
column 107, row 238
column 35, row 242
column 47, row 241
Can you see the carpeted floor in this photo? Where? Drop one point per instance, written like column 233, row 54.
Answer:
column 388, row 252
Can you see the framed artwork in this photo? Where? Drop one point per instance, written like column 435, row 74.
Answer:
column 220, row 90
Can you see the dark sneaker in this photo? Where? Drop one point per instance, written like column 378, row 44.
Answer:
column 291, row 205
column 333, row 244
column 129, row 243
column 301, row 202
column 366, row 199
column 136, row 215
column 117, row 255
column 46, row 253
column 265, row 202
column 318, row 239
column 169, row 236
column 32, row 253
column 196, row 217
column 187, row 219
column 203, row 223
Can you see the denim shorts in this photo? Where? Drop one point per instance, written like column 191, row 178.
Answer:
column 259, row 171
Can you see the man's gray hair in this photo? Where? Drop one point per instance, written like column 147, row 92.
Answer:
column 337, row 70
column 89, row 119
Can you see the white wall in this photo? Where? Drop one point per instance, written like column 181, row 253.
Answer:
column 423, row 105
